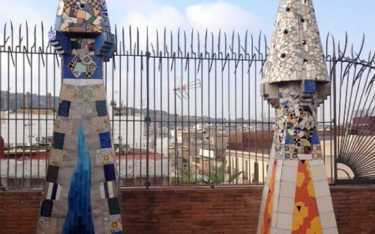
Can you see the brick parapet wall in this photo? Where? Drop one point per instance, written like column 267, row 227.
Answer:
column 197, row 210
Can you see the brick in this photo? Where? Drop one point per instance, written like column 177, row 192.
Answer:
column 194, row 210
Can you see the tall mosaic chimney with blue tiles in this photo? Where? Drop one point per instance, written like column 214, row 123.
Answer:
column 80, row 191
column 296, row 198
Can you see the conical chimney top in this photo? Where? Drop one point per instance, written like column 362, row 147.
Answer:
column 295, row 52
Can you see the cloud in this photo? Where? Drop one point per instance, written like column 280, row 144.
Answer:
column 21, row 10
column 164, row 16
column 214, row 16
column 221, row 15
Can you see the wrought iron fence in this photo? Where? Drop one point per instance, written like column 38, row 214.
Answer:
column 186, row 108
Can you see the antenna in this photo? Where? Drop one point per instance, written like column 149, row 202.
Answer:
column 183, row 91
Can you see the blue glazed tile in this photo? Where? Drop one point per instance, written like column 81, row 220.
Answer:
column 64, row 109
column 67, row 73
column 54, row 191
column 106, row 192
column 99, row 69
column 71, row 61
column 46, row 208
column 114, row 206
column 58, row 140
column 104, row 45
column 64, row 41
column 105, row 140
column 285, row 104
column 109, row 172
column 52, row 174
column 59, row 40
column 75, row 44
column 309, row 86
column 315, row 138
column 79, row 218
column 101, row 108
column 289, row 140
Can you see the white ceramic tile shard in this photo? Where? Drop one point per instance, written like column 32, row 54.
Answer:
column 291, row 163
column 279, row 231
column 82, row 82
column 279, row 163
column 318, row 162
column 317, row 170
column 58, row 193
column 285, row 221
column 330, row 231
column 275, row 204
column 324, row 204
column 287, row 189
column 102, row 191
column 328, row 220
column 110, row 190
column 286, row 205
column 110, row 187
column 321, row 189
column 278, row 170
column 274, row 219
column 289, row 173
column 273, row 230
column 305, row 156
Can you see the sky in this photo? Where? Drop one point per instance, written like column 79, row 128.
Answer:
column 334, row 16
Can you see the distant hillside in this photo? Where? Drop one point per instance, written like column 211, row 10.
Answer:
column 12, row 102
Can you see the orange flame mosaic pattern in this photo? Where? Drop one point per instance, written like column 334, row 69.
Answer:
column 266, row 227
column 306, row 215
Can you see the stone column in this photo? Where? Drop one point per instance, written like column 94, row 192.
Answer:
column 81, row 186
column 296, row 197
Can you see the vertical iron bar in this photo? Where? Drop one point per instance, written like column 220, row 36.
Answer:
column 15, row 66
column 177, row 149
column 201, row 63
column 39, row 110
column 120, row 120
column 8, row 114
column 31, row 109
column 148, row 119
column 23, row 116
column 127, row 113
column 47, row 106
column 161, row 116
column 154, row 119
column 168, row 117
column 335, row 119
column 133, row 152
column 195, row 121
